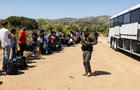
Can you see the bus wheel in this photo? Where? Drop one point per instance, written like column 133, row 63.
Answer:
column 115, row 44
column 112, row 43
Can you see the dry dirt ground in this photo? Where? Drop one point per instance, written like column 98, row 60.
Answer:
column 112, row 70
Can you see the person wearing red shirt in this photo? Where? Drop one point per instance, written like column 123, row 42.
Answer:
column 22, row 40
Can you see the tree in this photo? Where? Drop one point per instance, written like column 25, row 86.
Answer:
column 22, row 21
column 42, row 24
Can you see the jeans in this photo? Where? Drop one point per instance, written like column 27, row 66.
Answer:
column 5, row 53
column 45, row 45
column 22, row 48
column 34, row 44
column 41, row 48
column 96, row 40
column 13, row 52
column 59, row 44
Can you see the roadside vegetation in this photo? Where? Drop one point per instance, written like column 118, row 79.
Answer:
column 64, row 25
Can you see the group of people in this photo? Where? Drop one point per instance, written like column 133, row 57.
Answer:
column 54, row 41
column 9, row 41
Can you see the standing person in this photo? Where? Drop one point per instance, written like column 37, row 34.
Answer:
column 78, row 34
column 13, row 43
column 63, row 38
column 22, row 40
column 46, row 41
column 49, row 41
column 59, row 38
column 87, row 48
column 5, row 37
column 34, row 39
column 70, row 38
column 96, row 36
column 41, row 41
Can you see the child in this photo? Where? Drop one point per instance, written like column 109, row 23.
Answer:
column 13, row 43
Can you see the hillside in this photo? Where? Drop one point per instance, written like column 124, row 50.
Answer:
column 98, row 19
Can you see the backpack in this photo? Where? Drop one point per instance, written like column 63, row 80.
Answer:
column 21, row 62
column 11, row 68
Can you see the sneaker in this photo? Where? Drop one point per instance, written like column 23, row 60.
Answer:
column 85, row 74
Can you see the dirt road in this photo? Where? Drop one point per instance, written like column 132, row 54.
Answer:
column 63, row 71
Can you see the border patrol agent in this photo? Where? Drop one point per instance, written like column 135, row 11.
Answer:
column 87, row 48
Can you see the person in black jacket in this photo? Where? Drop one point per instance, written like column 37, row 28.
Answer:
column 41, row 41
column 96, row 36
column 87, row 48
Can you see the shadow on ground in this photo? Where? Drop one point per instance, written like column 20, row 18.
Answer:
column 38, row 58
column 30, row 62
column 3, row 73
column 98, row 73
column 20, row 72
column 31, row 66
column 1, row 82
column 130, row 55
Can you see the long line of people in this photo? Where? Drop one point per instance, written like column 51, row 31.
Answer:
column 54, row 41
column 45, row 44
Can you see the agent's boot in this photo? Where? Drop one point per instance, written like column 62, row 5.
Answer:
column 85, row 74
column 89, row 74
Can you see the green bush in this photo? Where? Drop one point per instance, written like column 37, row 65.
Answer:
column 42, row 24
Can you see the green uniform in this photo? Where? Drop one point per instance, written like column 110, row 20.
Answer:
column 87, row 52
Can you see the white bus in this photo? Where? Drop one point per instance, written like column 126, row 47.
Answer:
column 124, row 31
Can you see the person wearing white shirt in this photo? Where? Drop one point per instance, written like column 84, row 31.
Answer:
column 5, row 37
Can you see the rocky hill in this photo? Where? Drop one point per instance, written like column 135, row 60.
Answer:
column 98, row 19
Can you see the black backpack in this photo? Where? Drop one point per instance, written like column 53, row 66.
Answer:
column 11, row 68
column 21, row 62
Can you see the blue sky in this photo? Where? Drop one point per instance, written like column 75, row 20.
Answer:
column 53, row 9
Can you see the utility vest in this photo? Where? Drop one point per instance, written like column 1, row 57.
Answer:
column 86, row 47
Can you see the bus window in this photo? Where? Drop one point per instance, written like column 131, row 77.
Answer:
column 135, row 16
column 120, row 20
column 111, row 23
column 126, row 18
column 115, row 22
